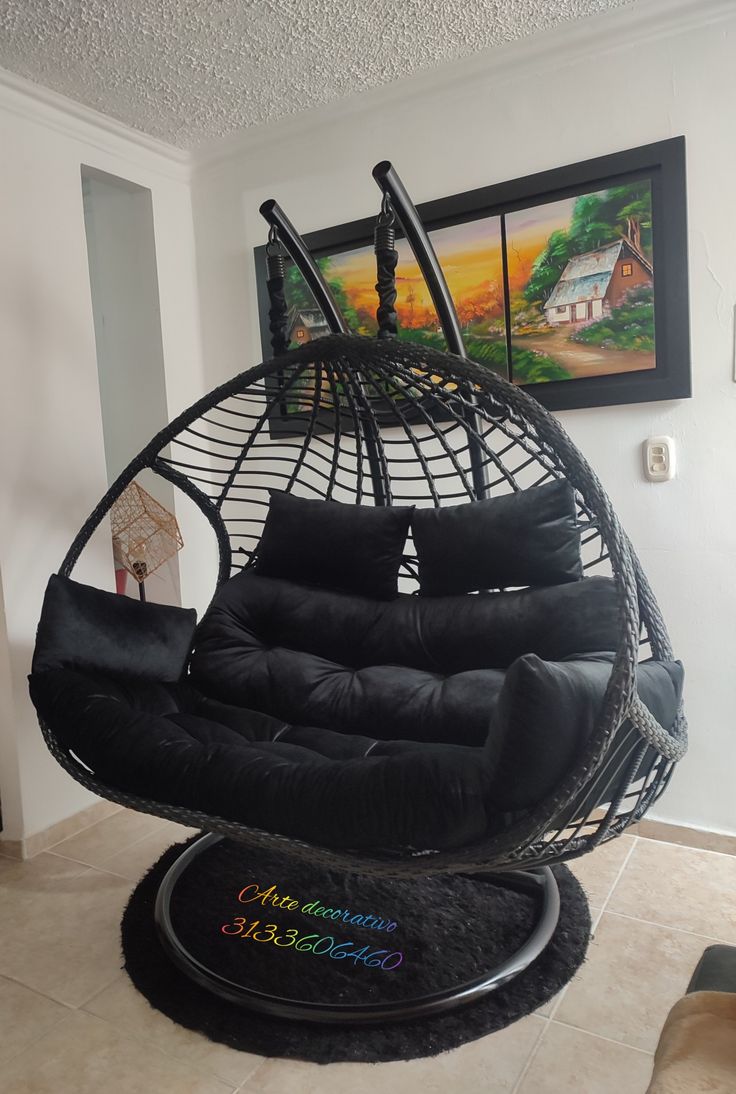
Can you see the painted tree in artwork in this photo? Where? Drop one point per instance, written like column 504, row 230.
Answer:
column 298, row 295
column 597, row 219
column 548, row 266
column 295, row 287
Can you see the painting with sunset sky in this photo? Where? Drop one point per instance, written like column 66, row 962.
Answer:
column 552, row 277
column 472, row 260
column 580, row 288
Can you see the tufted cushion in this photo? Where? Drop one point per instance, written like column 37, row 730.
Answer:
column 414, row 668
column 172, row 745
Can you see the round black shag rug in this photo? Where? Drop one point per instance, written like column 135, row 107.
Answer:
column 447, row 930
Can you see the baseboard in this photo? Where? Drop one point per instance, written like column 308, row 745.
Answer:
column 40, row 841
column 686, row 837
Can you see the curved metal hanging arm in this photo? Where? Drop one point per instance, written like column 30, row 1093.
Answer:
column 272, row 212
column 417, row 238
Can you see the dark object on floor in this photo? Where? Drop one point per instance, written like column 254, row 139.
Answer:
column 446, row 929
column 716, row 970
column 696, row 1053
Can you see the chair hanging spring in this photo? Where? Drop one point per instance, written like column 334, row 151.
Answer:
column 277, row 312
column 386, row 259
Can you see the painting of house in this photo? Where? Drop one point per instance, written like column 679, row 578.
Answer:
column 592, row 284
column 305, row 325
column 581, row 281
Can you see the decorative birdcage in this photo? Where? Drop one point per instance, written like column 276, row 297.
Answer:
column 145, row 535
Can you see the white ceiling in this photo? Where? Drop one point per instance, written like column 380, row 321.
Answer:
column 188, row 71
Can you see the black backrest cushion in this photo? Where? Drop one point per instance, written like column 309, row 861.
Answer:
column 437, row 634
column 413, row 668
column 86, row 628
column 526, row 538
column 354, row 548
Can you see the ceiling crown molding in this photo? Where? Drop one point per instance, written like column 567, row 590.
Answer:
column 54, row 111
column 637, row 22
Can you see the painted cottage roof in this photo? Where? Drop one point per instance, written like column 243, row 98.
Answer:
column 312, row 319
column 586, row 277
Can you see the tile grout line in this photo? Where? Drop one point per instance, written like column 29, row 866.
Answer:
column 531, row 1056
column 267, row 1059
column 170, row 1054
column 118, row 877
column 36, row 991
column 82, row 1007
column 86, row 828
column 602, row 1037
column 616, row 880
column 35, row 1040
column 594, row 926
column 43, row 850
column 689, row 846
column 151, row 1042
column 670, row 927
column 100, row 866
column 549, row 1022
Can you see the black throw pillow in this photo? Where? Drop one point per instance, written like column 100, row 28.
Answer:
column 525, row 538
column 89, row 629
column 547, row 711
column 350, row 548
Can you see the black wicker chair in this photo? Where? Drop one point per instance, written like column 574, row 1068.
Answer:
column 392, row 422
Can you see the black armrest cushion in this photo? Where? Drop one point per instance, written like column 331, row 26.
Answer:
column 86, row 628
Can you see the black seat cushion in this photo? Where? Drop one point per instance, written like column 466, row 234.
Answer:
column 356, row 548
column 170, row 744
column 526, row 538
column 413, row 668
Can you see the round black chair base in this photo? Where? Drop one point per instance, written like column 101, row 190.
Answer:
column 540, row 884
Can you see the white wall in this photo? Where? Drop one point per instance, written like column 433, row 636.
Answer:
column 635, row 76
column 119, row 229
column 51, row 449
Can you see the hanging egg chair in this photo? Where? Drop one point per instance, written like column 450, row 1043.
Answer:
column 431, row 647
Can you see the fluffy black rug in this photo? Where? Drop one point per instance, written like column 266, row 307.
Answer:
column 448, row 930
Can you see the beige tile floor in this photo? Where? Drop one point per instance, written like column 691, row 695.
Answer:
column 71, row 1023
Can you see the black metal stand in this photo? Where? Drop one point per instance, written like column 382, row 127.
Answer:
column 540, row 882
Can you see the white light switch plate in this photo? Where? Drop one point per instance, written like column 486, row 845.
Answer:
column 659, row 459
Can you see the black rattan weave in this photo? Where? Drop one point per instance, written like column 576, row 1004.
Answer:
column 393, row 422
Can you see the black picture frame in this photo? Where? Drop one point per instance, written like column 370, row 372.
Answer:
column 663, row 163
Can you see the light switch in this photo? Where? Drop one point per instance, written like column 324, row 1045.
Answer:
column 659, row 459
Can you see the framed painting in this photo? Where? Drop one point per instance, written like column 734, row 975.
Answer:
column 571, row 283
